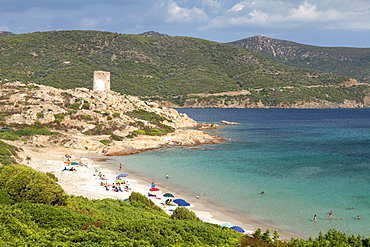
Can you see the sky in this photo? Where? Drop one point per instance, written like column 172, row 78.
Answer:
column 330, row 23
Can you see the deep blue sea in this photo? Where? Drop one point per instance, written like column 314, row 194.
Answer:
column 306, row 161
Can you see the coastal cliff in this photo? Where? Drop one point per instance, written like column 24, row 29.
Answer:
column 94, row 121
column 247, row 103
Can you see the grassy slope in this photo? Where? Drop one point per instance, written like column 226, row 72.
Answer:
column 345, row 61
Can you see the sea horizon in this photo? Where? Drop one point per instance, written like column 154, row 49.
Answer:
column 306, row 161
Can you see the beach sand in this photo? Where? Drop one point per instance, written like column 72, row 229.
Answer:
column 86, row 182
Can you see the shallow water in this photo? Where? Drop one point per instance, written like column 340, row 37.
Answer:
column 306, row 161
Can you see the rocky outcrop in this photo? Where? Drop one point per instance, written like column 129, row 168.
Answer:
column 246, row 103
column 87, row 119
column 81, row 108
column 229, row 123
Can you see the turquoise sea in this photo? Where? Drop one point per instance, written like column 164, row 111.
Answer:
column 306, row 161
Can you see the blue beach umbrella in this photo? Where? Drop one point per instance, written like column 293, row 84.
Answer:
column 178, row 200
column 237, row 228
column 183, row 203
column 122, row 175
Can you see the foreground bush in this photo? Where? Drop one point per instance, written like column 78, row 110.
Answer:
column 333, row 238
column 7, row 153
column 23, row 184
column 182, row 213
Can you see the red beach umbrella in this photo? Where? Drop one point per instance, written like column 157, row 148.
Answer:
column 154, row 189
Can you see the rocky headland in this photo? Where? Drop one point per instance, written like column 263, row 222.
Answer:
column 96, row 121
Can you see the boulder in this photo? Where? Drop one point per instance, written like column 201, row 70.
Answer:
column 121, row 150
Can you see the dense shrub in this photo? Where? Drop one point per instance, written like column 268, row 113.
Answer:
column 116, row 137
column 182, row 213
column 137, row 197
column 7, row 154
column 332, row 238
column 74, row 106
column 48, row 216
column 24, row 184
column 59, row 117
column 105, row 141
column 10, row 135
column 15, row 224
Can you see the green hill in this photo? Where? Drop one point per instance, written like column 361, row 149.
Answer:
column 161, row 67
column 345, row 61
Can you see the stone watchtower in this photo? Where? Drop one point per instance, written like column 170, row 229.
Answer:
column 101, row 81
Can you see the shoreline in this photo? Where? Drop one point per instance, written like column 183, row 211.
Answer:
column 84, row 183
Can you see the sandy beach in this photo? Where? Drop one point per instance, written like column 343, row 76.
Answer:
column 86, row 182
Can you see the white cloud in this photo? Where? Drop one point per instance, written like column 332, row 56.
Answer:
column 319, row 14
column 184, row 15
column 214, row 5
column 258, row 16
column 304, row 11
column 237, row 7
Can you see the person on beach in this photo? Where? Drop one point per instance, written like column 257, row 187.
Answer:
column 167, row 175
column 152, row 185
column 314, row 218
column 120, row 166
column 198, row 196
column 358, row 217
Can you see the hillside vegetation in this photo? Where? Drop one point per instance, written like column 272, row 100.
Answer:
column 345, row 61
column 162, row 67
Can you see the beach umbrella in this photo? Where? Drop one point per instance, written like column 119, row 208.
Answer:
column 178, row 200
column 119, row 181
column 154, row 189
column 122, row 175
column 74, row 164
column 237, row 228
column 227, row 224
column 182, row 203
column 168, row 195
column 68, row 162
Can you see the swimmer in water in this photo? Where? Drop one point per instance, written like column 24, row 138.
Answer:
column 331, row 215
